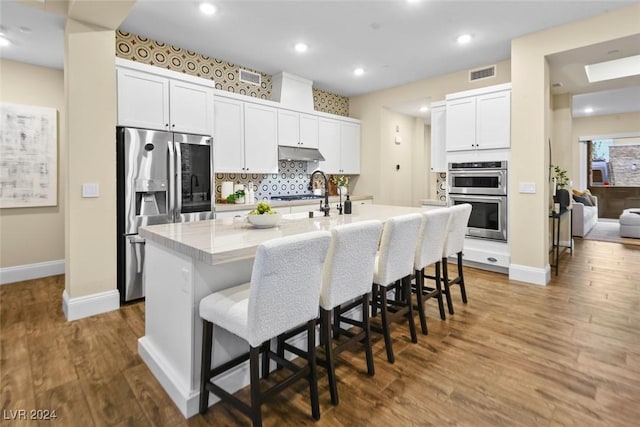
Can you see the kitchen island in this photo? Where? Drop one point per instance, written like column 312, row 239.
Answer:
column 186, row 262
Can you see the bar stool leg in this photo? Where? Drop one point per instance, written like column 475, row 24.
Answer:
column 336, row 324
column 313, row 374
column 254, row 373
column 374, row 300
column 420, row 298
column 406, row 293
column 265, row 360
column 385, row 324
column 205, row 368
column 325, row 330
column 463, row 291
column 367, row 334
column 280, row 350
column 445, row 280
column 439, row 289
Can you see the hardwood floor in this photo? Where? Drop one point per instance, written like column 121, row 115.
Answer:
column 517, row 354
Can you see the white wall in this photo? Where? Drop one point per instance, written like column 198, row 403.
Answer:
column 34, row 235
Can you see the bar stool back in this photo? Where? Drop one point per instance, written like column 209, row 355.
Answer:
column 348, row 274
column 431, row 239
column 284, row 292
column 394, row 266
column 453, row 246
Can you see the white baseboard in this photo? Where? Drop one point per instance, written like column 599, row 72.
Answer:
column 566, row 243
column 90, row 305
column 31, row 271
column 536, row 276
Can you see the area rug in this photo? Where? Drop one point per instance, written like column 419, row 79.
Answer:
column 609, row 231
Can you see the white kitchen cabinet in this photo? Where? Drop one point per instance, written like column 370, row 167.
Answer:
column 350, row 148
column 245, row 137
column 478, row 122
column 339, row 143
column 228, row 135
column 143, row 100
column 493, row 123
column 190, row 108
column 260, row 139
column 297, row 129
column 150, row 101
column 438, row 137
column 460, row 125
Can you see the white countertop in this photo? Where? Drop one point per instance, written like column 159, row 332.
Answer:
column 225, row 207
column 231, row 239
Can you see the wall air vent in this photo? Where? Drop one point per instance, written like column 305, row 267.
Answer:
column 482, row 73
column 250, row 77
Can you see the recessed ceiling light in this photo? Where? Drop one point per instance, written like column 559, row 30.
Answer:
column 424, row 109
column 464, row 39
column 207, row 8
column 588, row 110
column 358, row 71
column 301, row 47
column 4, row 42
column 608, row 70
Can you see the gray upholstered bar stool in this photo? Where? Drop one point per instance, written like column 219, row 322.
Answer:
column 394, row 267
column 431, row 238
column 284, row 293
column 453, row 246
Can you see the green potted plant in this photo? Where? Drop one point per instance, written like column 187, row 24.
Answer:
column 237, row 197
column 560, row 180
column 342, row 183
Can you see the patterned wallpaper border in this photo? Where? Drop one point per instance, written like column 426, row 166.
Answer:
column 225, row 74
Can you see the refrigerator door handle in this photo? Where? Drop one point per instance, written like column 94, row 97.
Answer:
column 137, row 241
column 171, row 208
column 178, row 187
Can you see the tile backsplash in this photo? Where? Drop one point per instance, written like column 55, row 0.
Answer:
column 441, row 186
column 292, row 178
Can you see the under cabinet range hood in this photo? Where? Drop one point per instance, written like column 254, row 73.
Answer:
column 299, row 153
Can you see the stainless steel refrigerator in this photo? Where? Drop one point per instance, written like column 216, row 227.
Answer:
column 162, row 177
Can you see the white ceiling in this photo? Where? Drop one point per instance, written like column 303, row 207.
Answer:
column 395, row 41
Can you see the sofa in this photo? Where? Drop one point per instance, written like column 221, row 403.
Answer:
column 584, row 217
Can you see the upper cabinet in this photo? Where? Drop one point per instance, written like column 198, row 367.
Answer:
column 260, row 138
column 297, row 129
column 153, row 101
column 438, row 137
column 143, row 100
column 228, row 135
column 339, row 143
column 245, row 137
column 479, row 121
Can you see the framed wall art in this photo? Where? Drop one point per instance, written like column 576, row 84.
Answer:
column 28, row 156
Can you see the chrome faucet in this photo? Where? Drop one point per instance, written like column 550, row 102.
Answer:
column 326, row 208
column 191, row 184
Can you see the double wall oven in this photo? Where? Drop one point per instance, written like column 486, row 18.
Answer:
column 484, row 186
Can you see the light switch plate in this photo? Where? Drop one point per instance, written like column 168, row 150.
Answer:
column 90, row 190
column 527, row 187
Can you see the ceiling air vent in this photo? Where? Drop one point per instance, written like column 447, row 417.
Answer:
column 482, row 73
column 250, row 77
